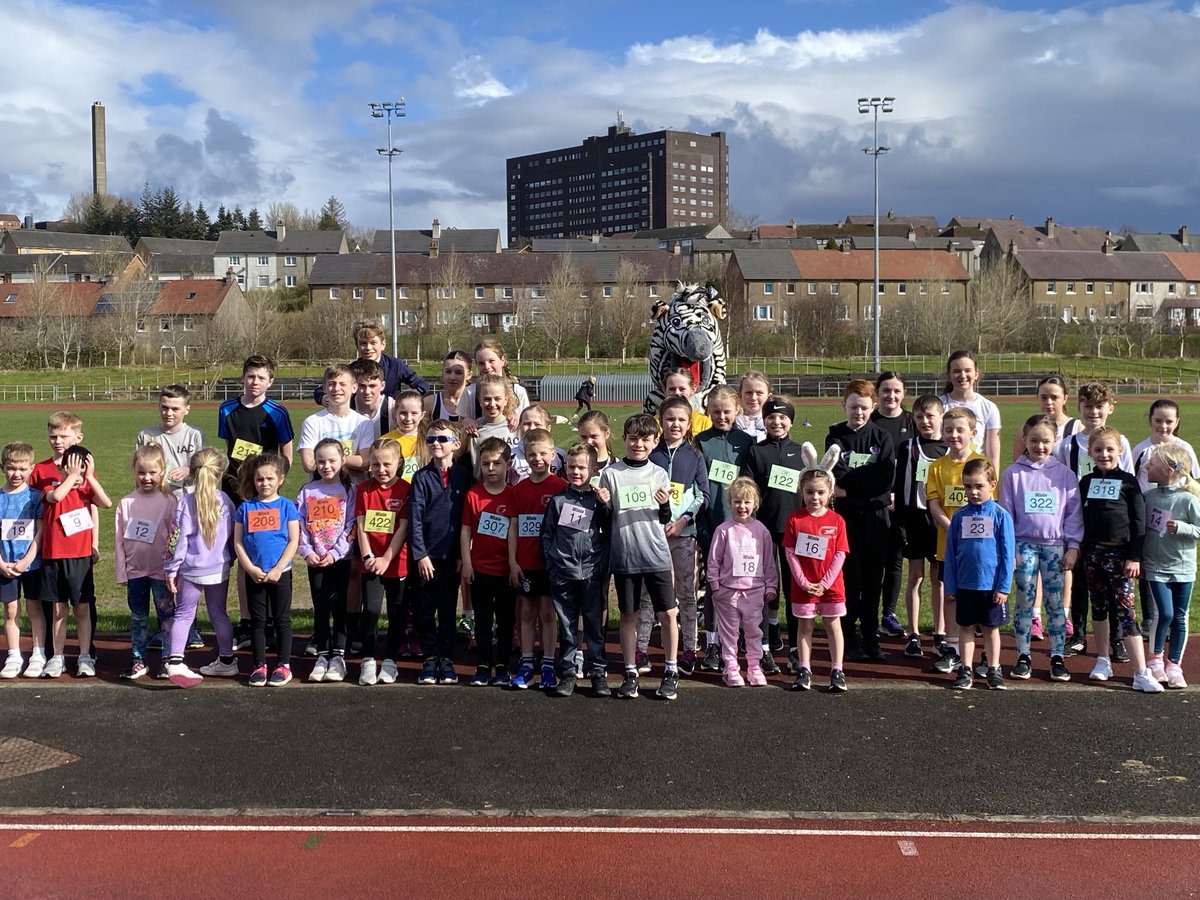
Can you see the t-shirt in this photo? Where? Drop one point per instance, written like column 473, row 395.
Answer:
column 382, row 509
column 639, row 543
column 178, row 447
column 819, row 539
column 19, row 511
column 408, row 449
column 489, row 516
column 265, row 529
column 67, row 525
column 144, row 522
column 987, row 416
column 943, row 483
column 1073, row 453
column 490, row 430
column 353, row 430
column 1141, row 456
column 250, row 430
column 326, row 518
column 529, row 505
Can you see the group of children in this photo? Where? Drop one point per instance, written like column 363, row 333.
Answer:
column 717, row 516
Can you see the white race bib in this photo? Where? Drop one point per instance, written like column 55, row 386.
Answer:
column 575, row 517
column 16, row 529
column 75, row 521
column 529, row 525
column 635, row 496
column 814, row 546
column 922, row 471
column 745, row 558
column 722, row 472
column 141, row 530
column 494, row 525
column 783, row 478
column 1157, row 519
column 1104, row 489
column 977, row 527
column 1041, row 503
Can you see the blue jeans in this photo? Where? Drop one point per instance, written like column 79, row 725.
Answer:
column 138, row 593
column 1171, row 598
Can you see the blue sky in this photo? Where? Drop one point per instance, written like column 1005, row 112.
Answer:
column 1086, row 112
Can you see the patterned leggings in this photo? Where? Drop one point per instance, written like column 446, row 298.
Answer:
column 1107, row 583
column 1047, row 559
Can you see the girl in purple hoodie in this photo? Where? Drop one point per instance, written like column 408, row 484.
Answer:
column 1042, row 495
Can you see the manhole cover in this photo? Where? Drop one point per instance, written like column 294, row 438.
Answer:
column 19, row 756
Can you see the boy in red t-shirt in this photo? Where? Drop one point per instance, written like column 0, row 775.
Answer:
column 484, row 539
column 815, row 546
column 527, row 571
column 381, row 512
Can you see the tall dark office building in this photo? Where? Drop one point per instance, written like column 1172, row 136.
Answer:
column 619, row 182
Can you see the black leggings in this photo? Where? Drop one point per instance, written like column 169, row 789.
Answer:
column 785, row 593
column 374, row 589
column 277, row 598
column 328, row 587
column 437, row 601
column 494, row 599
column 867, row 533
column 893, row 566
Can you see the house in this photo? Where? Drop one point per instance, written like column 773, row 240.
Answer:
column 1183, row 308
column 190, row 314
column 273, row 259
column 925, row 226
column 168, row 259
column 1003, row 238
column 29, row 267
column 27, row 302
column 1182, row 242
column 35, row 240
column 437, row 240
column 9, row 222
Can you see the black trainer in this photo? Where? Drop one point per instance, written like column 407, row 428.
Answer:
column 600, row 686
column 962, row 681
column 803, row 680
column 1076, row 644
column 1119, row 655
column 913, row 647
column 668, row 689
column 837, row 682
column 1023, row 668
column 629, row 687
column 564, row 688
column 774, row 638
column 1058, row 669
column 769, row 666
column 981, row 667
column 995, row 679
column 946, row 664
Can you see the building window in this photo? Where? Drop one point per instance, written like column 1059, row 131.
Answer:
column 403, row 292
column 445, row 317
column 537, row 292
column 922, row 289
column 1051, row 287
column 408, row 317
column 843, row 312
column 1145, row 310
column 164, row 324
column 264, row 261
column 289, row 280
column 380, row 293
column 235, row 260
column 902, row 288
column 506, row 292
column 945, row 288
column 1112, row 310
column 1171, row 289
column 654, row 290
column 835, row 288
column 191, row 295
column 479, row 293
column 11, row 298
column 1191, row 289
column 882, row 288
column 141, row 326
column 508, row 321
column 335, row 293
column 1047, row 311
column 1108, row 287
column 608, row 291
column 189, row 323
column 1177, row 316
column 264, row 280
column 241, row 279
column 791, row 287
column 812, row 288
column 447, row 293
column 358, row 293
column 764, row 313
column 1070, row 287
column 289, row 260
column 1089, row 287
column 768, row 287
column 479, row 320
column 1143, row 287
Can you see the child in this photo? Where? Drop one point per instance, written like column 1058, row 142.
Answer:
column 266, row 533
column 741, row 577
column 816, row 544
column 1114, row 531
column 962, row 374
column 144, row 521
column 498, row 403
column 178, row 439
column 892, row 417
column 945, row 495
column 1052, row 397
column 1042, row 496
column 251, row 424
column 687, row 473
column 865, row 474
column 585, row 395
column 69, row 553
column 752, row 392
column 913, row 459
column 338, row 421
column 526, row 569
column 1164, row 429
column 724, row 448
column 593, row 429
column 407, row 433
column 490, row 359
column 435, row 518
column 326, row 508
column 380, row 509
column 640, row 500
column 574, row 543
column 456, row 374
column 486, row 539
column 199, row 562
column 774, row 465
column 371, row 343
column 370, row 402
column 533, row 416
column 681, row 383
column 1169, row 556
column 20, row 564
column 978, row 570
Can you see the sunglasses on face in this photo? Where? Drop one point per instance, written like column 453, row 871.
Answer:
column 439, row 439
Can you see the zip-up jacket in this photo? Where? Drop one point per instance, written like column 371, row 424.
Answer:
column 571, row 553
column 777, row 504
column 980, row 563
column 684, row 465
column 435, row 511
column 866, row 469
column 912, row 467
column 720, row 446
column 1114, row 521
column 1171, row 557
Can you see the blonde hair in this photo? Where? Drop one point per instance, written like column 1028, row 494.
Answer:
column 1104, row 431
column 207, row 468
column 152, row 453
column 1175, row 457
column 960, row 412
column 755, row 375
column 744, row 487
column 725, row 392
column 65, row 420
column 16, row 452
column 510, row 398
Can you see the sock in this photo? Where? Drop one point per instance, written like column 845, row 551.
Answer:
column 16, row 652
column 175, row 661
column 670, row 665
column 710, row 638
column 630, row 669
column 773, row 620
column 227, row 659
column 527, row 661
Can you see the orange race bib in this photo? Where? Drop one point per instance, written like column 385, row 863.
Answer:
column 323, row 509
column 262, row 520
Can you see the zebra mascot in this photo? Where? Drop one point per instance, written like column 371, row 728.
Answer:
column 686, row 336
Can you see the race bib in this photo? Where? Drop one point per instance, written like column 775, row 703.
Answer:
column 323, row 509
column 813, row 546
column 379, row 521
column 977, row 527
column 635, row 496
column 1104, row 489
column 722, row 472
column 859, row 459
column 141, row 530
column 922, row 471
column 1041, row 503
column 16, row 529
column 347, row 446
column 784, row 479
column 575, row 517
column 262, row 520
column 1157, row 519
column 1086, row 466
column 676, row 492
column 493, row 525
column 954, row 495
column 411, row 464
column 745, row 559
column 244, row 449
column 594, row 481
column 529, row 525
column 75, row 521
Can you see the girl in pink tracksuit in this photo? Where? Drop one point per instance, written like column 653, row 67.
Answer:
column 742, row 578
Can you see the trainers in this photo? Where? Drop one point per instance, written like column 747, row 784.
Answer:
column 1058, row 669
column 241, row 637
column 320, row 667
column 733, row 677
column 280, row 675
column 600, row 686
column 1175, row 679
column 1155, row 665
column 1145, row 682
column 890, row 626
column 524, row 677
column 446, row 673
column 1076, row 644
column 578, row 660
column 354, row 648
column 643, row 662
column 1102, row 671
column 135, row 670
column 1117, row 652
column 668, row 688
column 258, row 678
column 387, row 672
column 85, row 667
column 337, row 669
column 774, row 638
column 768, row 664
column 946, row 664
column 481, row 677
column 913, row 647
column 1035, row 630
column 182, row 676
column 837, row 682
column 194, row 641
column 803, row 680
column 466, row 628
column 54, row 667
column 1024, row 667
column 548, row 679
column 980, row 669
column 712, row 658
column 501, row 678
column 164, row 671
column 995, row 679
column 755, row 677
column 687, row 663
column 12, row 666
column 368, row 673
column 564, row 688
column 629, row 687
column 310, row 648
column 221, row 669
column 793, row 661
column 941, row 647
column 962, row 681
column 35, row 667
column 429, row 671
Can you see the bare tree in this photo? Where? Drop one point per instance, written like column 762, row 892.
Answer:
column 66, row 323
column 629, row 305
column 522, row 330
column 124, row 309
column 1177, row 323
column 557, row 319
column 263, row 328
column 450, row 304
column 813, row 321
column 999, row 306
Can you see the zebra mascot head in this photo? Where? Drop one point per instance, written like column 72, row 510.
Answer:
column 686, row 336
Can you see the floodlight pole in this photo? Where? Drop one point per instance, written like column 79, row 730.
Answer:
column 388, row 110
column 875, row 105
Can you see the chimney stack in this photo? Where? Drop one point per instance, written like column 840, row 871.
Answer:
column 28, row 224
column 99, row 151
column 437, row 230
column 1050, row 228
column 1183, row 236
column 433, row 249
column 280, row 230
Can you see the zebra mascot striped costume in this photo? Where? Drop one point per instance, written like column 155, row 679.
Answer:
column 686, row 336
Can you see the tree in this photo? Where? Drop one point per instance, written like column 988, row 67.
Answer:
column 203, row 226
column 450, row 304
column 629, row 306
column 812, row 321
column 522, row 330
column 254, row 220
column 333, row 216
column 263, row 325
column 741, row 221
column 1000, row 306
column 224, row 222
column 557, row 319
column 124, row 311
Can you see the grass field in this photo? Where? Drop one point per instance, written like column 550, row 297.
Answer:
column 109, row 432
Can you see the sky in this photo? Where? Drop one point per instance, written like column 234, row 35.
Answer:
column 1088, row 112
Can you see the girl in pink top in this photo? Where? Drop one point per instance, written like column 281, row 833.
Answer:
column 742, row 577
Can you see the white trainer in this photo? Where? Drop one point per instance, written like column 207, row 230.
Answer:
column 388, row 672
column 85, row 667
column 320, row 667
column 35, row 667
column 369, row 673
column 220, row 669
column 12, row 666
column 182, row 676
column 55, row 666
column 337, row 669
column 1145, row 682
column 1102, row 670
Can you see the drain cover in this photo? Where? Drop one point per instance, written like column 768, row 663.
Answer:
column 19, row 756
